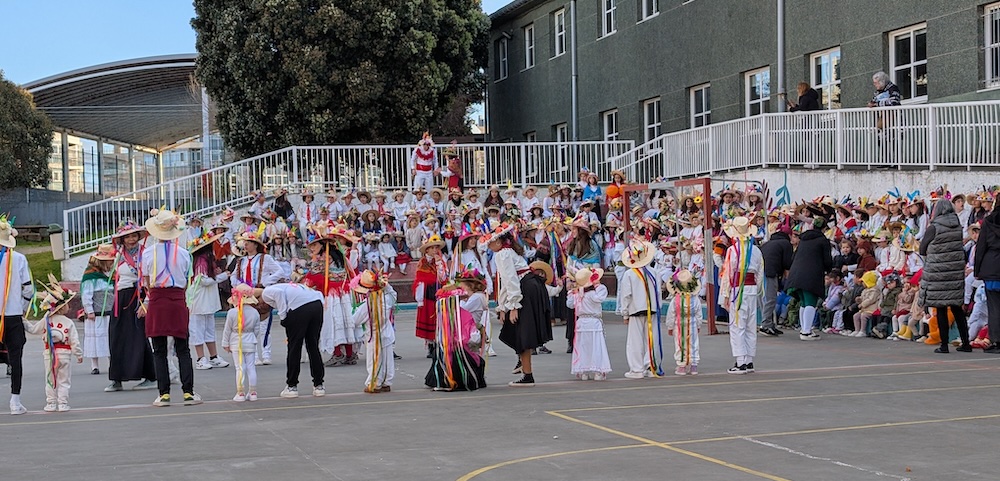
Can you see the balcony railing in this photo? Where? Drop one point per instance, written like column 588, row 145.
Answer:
column 930, row 136
column 346, row 167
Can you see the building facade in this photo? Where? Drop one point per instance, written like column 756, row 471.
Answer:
column 647, row 67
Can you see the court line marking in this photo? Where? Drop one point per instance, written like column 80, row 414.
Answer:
column 668, row 447
column 820, row 458
column 519, row 393
column 485, row 469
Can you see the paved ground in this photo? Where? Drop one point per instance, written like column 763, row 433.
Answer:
column 839, row 409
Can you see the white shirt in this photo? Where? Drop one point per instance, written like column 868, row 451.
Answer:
column 204, row 299
column 166, row 264
column 270, row 273
column 632, row 291
column 289, row 297
column 97, row 296
column 587, row 304
column 231, row 335
column 509, row 294
column 307, row 213
column 22, row 289
column 361, row 316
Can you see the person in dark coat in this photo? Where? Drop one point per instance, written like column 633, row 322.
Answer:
column 942, row 285
column 806, row 277
column 987, row 269
column 808, row 99
column 777, row 260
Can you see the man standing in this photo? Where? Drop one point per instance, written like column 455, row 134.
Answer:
column 423, row 163
column 741, row 271
column 17, row 292
column 777, row 254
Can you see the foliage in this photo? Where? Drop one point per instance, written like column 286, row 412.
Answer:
column 42, row 264
column 320, row 72
column 25, row 139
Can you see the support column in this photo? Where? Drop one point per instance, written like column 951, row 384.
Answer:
column 206, row 143
column 781, row 56
column 100, row 167
column 131, row 168
column 64, row 143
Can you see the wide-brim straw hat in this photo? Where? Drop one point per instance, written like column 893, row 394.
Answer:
column 368, row 281
column 54, row 296
column 588, row 277
column 638, row 254
column 201, row 242
column 243, row 291
column 544, row 267
column 105, row 252
column 251, row 237
column 165, row 224
column 8, row 234
column 439, row 192
column 432, row 241
column 126, row 228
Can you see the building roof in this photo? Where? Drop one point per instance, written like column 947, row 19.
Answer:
column 151, row 102
column 513, row 9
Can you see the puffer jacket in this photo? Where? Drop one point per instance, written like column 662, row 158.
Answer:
column 905, row 301
column 889, row 298
column 943, row 281
column 869, row 300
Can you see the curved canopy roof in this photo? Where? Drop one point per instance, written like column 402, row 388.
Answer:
column 152, row 102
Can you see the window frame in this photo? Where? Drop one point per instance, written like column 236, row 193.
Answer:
column 656, row 126
column 912, row 31
column 529, row 45
column 531, row 136
column 764, row 102
column 706, row 114
column 609, row 8
column 990, row 44
column 652, row 6
column 561, row 131
column 817, row 83
column 559, row 36
column 610, row 136
column 503, row 61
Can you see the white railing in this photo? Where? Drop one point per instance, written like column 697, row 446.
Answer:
column 347, row 167
column 930, row 136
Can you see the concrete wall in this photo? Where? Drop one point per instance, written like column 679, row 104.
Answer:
column 41, row 207
column 717, row 41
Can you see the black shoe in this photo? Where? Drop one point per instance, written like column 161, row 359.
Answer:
column 517, row 368
column 992, row 349
column 544, row 350
column 964, row 348
column 767, row 332
column 738, row 369
column 527, row 381
column 430, row 351
column 942, row 350
column 396, row 356
column 750, row 367
column 569, row 348
column 534, row 352
column 95, row 371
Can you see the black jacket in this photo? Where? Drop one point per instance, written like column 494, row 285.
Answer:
column 812, row 261
column 807, row 101
column 943, row 281
column 987, row 262
column 777, row 254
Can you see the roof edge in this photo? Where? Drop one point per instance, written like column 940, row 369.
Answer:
column 161, row 60
column 512, row 9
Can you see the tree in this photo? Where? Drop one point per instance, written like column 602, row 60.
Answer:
column 25, row 139
column 315, row 72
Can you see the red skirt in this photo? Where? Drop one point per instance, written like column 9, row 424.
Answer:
column 167, row 314
column 427, row 320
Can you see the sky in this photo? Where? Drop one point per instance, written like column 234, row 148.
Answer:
column 40, row 38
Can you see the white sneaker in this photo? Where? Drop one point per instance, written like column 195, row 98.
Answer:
column 490, row 352
column 49, row 408
column 252, row 396
column 17, row 408
column 647, row 374
column 239, row 397
column 218, row 362
column 582, row 376
column 812, row 336
column 63, row 408
column 203, row 364
column 847, row 333
column 290, row 392
column 258, row 363
column 267, row 361
column 600, row 376
column 319, row 391
column 633, row 375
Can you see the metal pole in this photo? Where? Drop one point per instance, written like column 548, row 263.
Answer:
column 573, row 68
column 781, row 56
column 205, row 140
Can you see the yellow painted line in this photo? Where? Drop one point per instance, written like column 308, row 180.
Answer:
column 479, row 471
column 783, row 398
column 670, row 448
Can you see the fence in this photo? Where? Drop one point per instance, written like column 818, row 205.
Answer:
column 345, row 167
column 929, row 136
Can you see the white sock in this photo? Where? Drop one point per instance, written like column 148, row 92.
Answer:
column 94, row 364
column 749, row 359
column 15, row 399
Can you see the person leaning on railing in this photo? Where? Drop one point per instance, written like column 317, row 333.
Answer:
column 886, row 95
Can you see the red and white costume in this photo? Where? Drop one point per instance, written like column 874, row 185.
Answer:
column 424, row 161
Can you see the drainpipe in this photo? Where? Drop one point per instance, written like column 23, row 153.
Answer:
column 573, row 69
column 781, row 56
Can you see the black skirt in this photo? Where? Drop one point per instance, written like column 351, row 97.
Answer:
column 131, row 354
column 469, row 372
column 533, row 327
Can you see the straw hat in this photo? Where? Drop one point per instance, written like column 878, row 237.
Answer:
column 379, row 194
column 618, row 172
column 588, row 277
column 308, row 193
column 472, row 193
column 53, row 297
column 432, row 241
column 364, row 193
column 638, row 254
column 245, row 237
column 684, row 281
column 437, row 191
column 165, row 224
column 125, row 228
column 544, row 267
column 739, row 227
column 105, row 252
column 8, row 233
column 368, row 281
column 199, row 243
column 243, row 291
column 472, row 276
column 496, row 233
column 531, row 189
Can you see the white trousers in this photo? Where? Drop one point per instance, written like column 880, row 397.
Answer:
column 246, row 374
column 264, row 337
column 743, row 327
column 64, row 374
column 425, row 179
column 637, row 343
column 687, row 349
column 386, row 370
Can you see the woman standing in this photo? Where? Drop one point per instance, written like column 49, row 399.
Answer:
column 942, row 285
column 522, row 300
column 97, row 295
column 987, row 269
column 806, row 278
column 131, row 354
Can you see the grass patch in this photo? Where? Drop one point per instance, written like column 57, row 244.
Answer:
column 42, row 264
column 32, row 243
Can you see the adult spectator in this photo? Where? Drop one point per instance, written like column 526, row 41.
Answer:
column 131, row 354
column 808, row 99
column 886, row 92
column 942, row 285
column 806, row 277
column 777, row 260
column 987, row 269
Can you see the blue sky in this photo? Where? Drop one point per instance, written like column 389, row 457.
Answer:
column 39, row 38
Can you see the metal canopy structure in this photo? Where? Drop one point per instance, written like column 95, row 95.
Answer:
column 151, row 102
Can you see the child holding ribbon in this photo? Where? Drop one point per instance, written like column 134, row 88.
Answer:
column 62, row 343
column 239, row 338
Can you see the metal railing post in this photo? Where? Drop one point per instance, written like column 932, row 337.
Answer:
column 295, row 164
column 524, row 165
column 66, row 232
column 711, row 149
column 171, row 193
column 763, row 140
column 839, row 139
column 932, row 138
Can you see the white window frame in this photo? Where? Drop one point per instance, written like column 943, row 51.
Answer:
column 503, row 52
column 531, row 136
column 818, row 83
column 559, row 32
column 747, row 89
column 609, row 118
column 529, row 45
column 562, row 132
column 652, row 125
column 648, row 9
column 609, row 14
column 706, row 114
column 991, row 47
column 912, row 31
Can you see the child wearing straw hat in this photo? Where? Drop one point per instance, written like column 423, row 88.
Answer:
column 203, row 301
column 98, row 297
column 590, row 351
column 739, row 277
column 61, row 344
column 375, row 313
column 239, row 337
column 639, row 304
column 684, row 321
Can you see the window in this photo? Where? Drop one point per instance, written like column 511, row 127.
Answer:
column 651, row 118
column 501, row 59
column 826, row 77
column 608, row 19
column 758, row 91
column 648, row 9
column 561, row 132
column 531, row 137
column 610, row 124
column 559, row 32
column 908, row 59
column 529, row 46
column 991, row 42
column 701, row 105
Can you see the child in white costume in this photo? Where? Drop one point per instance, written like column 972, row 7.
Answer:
column 473, row 282
column 60, row 337
column 590, row 351
column 639, row 303
column 98, row 298
column 375, row 313
column 739, row 292
column 386, row 252
column 684, row 321
column 203, row 301
column 239, row 337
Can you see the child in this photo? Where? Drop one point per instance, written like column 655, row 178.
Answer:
column 98, row 298
column 474, row 300
column 370, row 252
column 544, row 270
column 399, row 208
column 867, row 302
column 375, row 313
column 590, row 352
column 203, row 302
column 61, row 342
column 890, row 295
column 402, row 251
column 239, row 333
column 901, row 312
column 683, row 321
column 387, row 253
column 833, row 307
